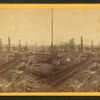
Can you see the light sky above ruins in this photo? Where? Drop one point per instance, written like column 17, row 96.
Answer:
column 34, row 25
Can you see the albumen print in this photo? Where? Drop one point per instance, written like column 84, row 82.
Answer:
column 49, row 50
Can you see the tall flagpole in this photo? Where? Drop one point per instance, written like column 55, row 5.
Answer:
column 52, row 35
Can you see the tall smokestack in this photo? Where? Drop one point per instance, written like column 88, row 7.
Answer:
column 9, row 44
column 92, row 45
column 26, row 45
column 81, row 43
column 19, row 46
column 35, row 44
column 0, row 45
column 99, row 46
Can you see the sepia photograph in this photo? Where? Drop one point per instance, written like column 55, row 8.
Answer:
column 49, row 50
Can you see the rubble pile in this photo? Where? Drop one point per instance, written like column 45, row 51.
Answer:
column 88, row 80
column 34, row 66
column 25, row 76
column 45, row 68
column 68, row 60
column 4, row 58
column 22, row 81
column 32, row 74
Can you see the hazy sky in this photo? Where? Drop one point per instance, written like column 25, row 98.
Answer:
column 34, row 25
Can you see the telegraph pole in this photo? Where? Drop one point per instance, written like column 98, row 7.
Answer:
column 52, row 36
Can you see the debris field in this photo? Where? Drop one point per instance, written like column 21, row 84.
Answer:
column 31, row 74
